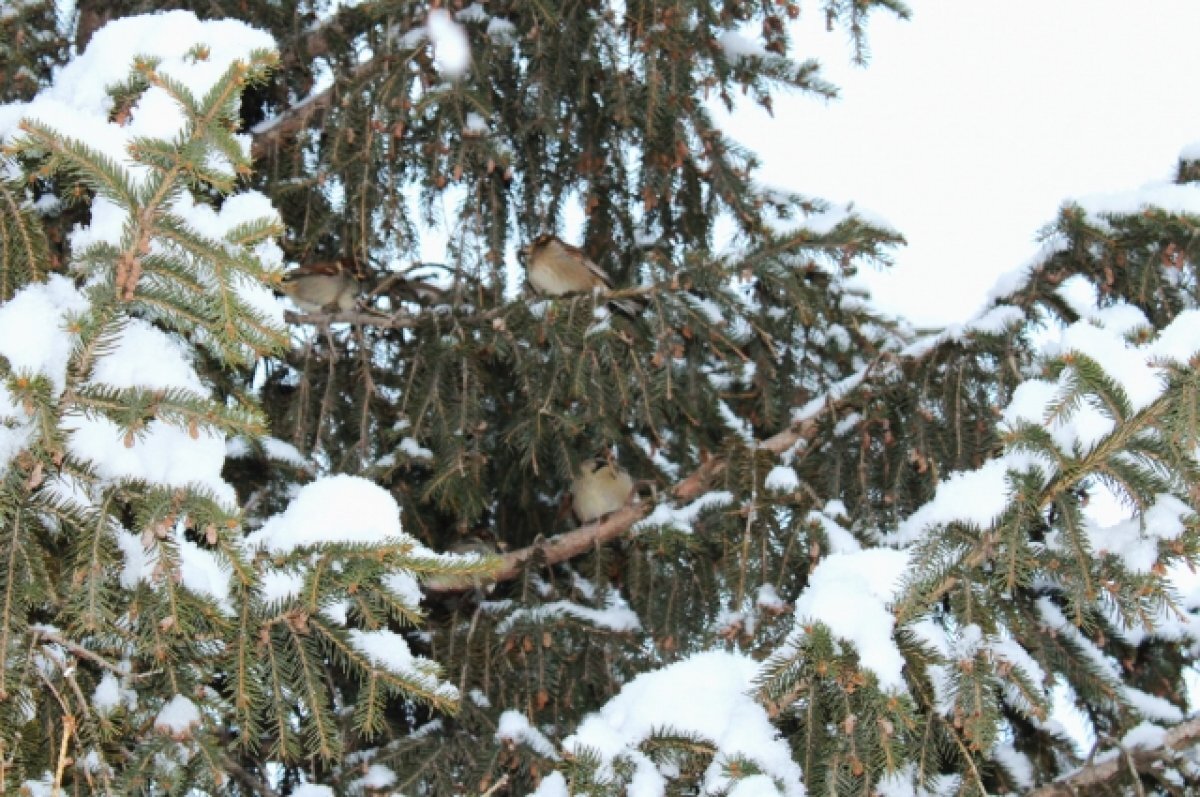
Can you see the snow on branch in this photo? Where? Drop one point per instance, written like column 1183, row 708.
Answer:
column 1113, row 764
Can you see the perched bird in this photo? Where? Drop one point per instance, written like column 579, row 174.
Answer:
column 555, row 268
column 600, row 488
column 327, row 285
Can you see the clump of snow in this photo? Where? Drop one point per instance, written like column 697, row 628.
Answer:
column 312, row 790
column 32, row 327
column 1146, row 735
column 451, row 50
column 77, row 104
column 977, row 497
column 335, row 509
column 850, row 593
column 707, row 695
column 389, row 651
column 1135, row 540
column 1178, row 341
column 553, row 785
column 161, row 454
column 782, row 479
column 1168, row 196
column 280, row 585
column 404, row 586
column 840, row 540
column 998, row 320
column 682, row 518
column 514, row 727
column 473, row 13
column 377, row 777
column 768, row 598
column 177, row 718
column 1015, row 763
column 615, row 616
column 738, row 47
column 107, row 695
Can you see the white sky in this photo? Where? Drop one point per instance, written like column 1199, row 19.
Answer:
column 975, row 119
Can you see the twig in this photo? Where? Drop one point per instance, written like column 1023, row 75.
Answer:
column 257, row 785
column 496, row 786
column 78, row 650
column 68, row 722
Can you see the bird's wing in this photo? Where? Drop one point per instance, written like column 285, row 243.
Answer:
column 578, row 254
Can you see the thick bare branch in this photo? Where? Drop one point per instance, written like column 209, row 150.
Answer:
column 1090, row 776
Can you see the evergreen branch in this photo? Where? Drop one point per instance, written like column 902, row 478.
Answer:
column 95, row 168
column 24, row 254
column 243, row 776
column 566, row 546
column 270, row 133
column 1095, row 775
column 78, row 650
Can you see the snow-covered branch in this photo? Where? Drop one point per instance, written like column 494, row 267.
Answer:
column 1141, row 759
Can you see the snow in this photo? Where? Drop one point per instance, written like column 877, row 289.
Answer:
column 682, row 518
column 389, row 651
column 312, row 790
column 501, row 30
column 840, row 540
column 615, row 616
column 451, row 50
column 32, row 325
column 1144, row 735
column 1135, row 540
column 1015, row 763
column 1151, row 706
column 414, row 450
column 334, row 509
column 161, row 454
column 1171, row 197
column 515, row 728
column 782, row 479
column 850, row 593
column 107, row 695
column 977, row 497
column 738, row 47
column 177, row 717
column 146, row 357
column 203, row 573
column 998, row 320
column 404, row 586
column 280, row 585
column 768, row 598
column 553, row 785
column 377, row 777
column 78, row 104
column 706, row 695
column 473, row 13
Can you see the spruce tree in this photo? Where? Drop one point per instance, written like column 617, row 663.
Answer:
column 868, row 544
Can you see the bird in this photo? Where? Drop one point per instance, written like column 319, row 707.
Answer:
column 555, row 268
column 324, row 286
column 600, row 488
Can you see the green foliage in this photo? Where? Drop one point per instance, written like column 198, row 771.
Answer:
column 475, row 408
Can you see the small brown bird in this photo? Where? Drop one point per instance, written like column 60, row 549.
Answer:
column 324, row 286
column 555, row 268
column 600, row 488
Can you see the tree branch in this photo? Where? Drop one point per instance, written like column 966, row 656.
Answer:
column 568, row 545
column 1177, row 739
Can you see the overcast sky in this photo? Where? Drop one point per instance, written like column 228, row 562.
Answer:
column 975, row 119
